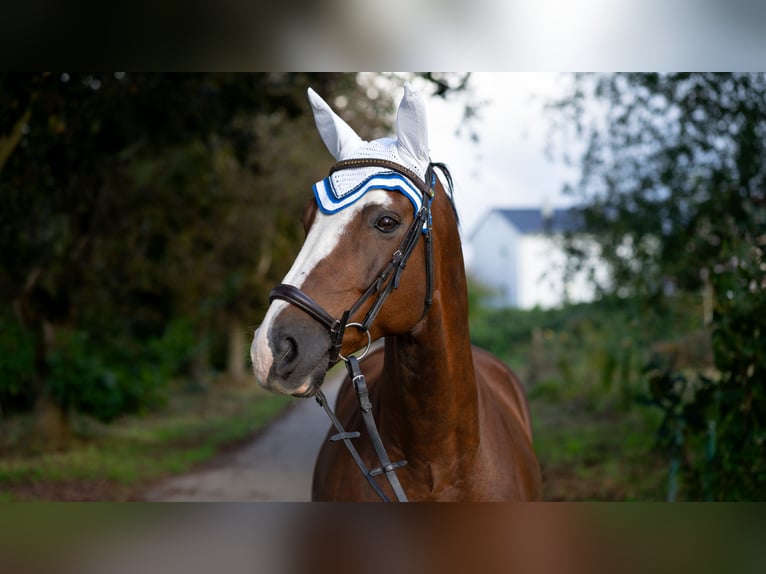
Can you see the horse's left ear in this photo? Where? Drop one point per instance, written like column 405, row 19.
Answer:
column 339, row 137
column 412, row 127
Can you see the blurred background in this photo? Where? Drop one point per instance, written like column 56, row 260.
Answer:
column 615, row 226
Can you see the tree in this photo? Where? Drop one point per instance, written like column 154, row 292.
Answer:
column 673, row 184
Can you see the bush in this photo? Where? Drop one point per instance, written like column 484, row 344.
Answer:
column 714, row 425
column 101, row 378
column 78, row 379
column 595, row 351
column 107, row 379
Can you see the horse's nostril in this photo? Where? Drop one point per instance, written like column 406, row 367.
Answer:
column 291, row 350
column 287, row 354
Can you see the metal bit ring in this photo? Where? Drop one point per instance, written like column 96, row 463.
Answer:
column 366, row 349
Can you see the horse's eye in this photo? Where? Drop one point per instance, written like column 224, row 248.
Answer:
column 386, row 224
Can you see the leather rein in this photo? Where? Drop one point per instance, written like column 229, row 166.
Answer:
column 381, row 289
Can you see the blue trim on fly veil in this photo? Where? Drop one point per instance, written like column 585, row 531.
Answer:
column 332, row 201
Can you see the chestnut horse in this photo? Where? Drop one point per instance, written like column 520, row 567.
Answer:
column 455, row 413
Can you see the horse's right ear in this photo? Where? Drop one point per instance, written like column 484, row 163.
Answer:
column 339, row 137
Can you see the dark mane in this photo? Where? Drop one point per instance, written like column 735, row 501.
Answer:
column 450, row 189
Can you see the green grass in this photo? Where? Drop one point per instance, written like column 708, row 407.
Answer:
column 584, row 369
column 590, row 455
column 114, row 461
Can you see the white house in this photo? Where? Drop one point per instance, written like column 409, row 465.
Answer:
column 517, row 253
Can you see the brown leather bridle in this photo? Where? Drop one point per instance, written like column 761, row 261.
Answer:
column 387, row 280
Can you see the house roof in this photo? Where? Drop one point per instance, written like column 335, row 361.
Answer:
column 528, row 221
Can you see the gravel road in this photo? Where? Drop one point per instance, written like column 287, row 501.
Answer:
column 276, row 466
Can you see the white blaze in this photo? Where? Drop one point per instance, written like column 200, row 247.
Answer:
column 321, row 241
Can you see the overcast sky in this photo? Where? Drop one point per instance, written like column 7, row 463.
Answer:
column 508, row 166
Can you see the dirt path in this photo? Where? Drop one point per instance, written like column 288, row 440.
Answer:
column 276, row 466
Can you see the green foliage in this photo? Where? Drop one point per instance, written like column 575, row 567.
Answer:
column 714, row 425
column 125, row 202
column 673, row 185
column 17, row 366
column 107, row 379
column 78, row 378
column 596, row 351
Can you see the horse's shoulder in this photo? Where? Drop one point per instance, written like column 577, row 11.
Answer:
column 494, row 372
column 500, row 386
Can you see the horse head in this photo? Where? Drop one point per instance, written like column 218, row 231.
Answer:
column 364, row 213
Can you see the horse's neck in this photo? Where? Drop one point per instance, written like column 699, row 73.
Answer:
column 429, row 386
